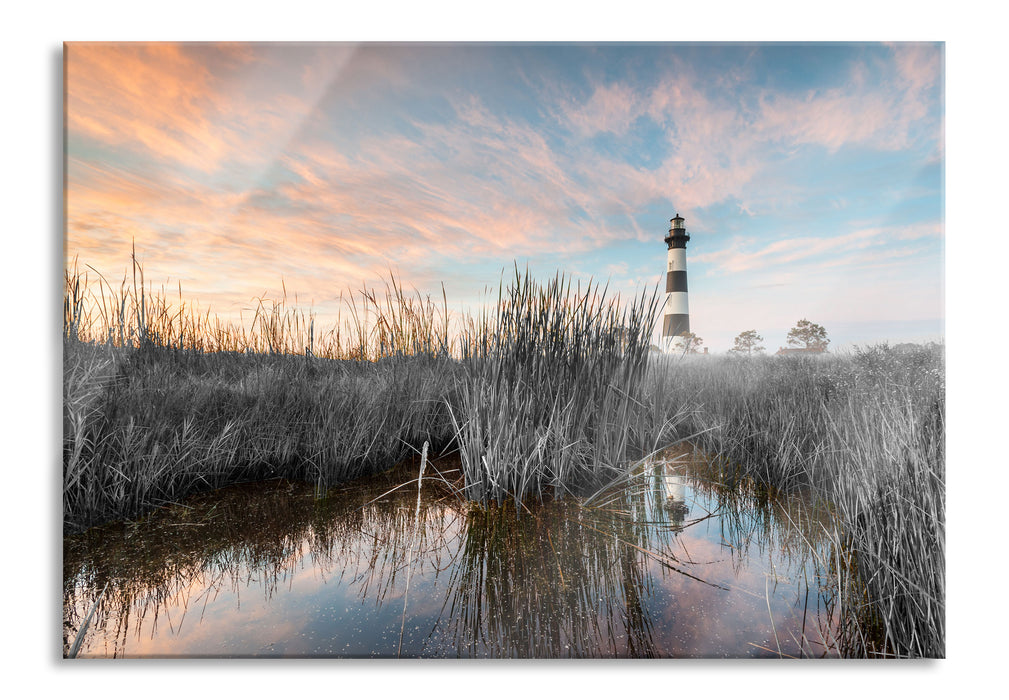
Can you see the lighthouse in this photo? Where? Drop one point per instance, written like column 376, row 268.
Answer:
column 676, row 315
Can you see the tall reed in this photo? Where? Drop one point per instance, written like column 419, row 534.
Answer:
column 552, row 388
column 372, row 323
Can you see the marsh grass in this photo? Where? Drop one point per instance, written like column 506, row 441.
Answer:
column 146, row 427
column 865, row 434
column 162, row 400
column 375, row 324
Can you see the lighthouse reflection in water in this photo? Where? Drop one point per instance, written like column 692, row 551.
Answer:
column 676, row 497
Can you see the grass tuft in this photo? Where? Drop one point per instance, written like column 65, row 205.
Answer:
column 548, row 398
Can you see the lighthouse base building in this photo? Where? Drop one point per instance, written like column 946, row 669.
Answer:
column 676, row 312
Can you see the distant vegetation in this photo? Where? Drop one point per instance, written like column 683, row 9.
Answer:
column 808, row 336
column 688, row 343
column 748, row 343
column 549, row 394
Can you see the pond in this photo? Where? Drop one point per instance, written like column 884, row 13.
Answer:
column 667, row 562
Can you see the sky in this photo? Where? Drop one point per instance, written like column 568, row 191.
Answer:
column 811, row 176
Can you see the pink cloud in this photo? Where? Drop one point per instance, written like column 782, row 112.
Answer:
column 880, row 115
column 831, row 118
column 918, row 65
column 192, row 105
column 153, row 97
column 611, row 108
column 740, row 258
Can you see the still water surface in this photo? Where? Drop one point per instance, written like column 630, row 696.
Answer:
column 666, row 563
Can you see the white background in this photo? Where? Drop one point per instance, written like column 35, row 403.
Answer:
column 32, row 286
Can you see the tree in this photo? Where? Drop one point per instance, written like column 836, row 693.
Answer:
column 810, row 336
column 688, row 343
column 748, row 343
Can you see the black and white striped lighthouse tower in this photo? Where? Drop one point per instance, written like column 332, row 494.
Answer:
column 676, row 314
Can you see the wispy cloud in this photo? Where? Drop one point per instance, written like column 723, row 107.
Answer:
column 612, row 108
column 746, row 255
column 194, row 106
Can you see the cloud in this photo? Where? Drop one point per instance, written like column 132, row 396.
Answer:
column 157, row 98
column 919, row 66
column 197, row 106
column 478, row 186
column 881, row 112
column 611, row 108
column 722, row 139
column 830, row 118
column 826, row 251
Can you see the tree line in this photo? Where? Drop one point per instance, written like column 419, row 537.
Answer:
column 805, row 336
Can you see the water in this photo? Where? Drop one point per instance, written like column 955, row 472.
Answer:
column 667, row 563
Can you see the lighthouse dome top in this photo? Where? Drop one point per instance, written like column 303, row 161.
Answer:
column 677, row 236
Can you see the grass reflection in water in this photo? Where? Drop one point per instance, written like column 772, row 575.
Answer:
column 667, row 562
